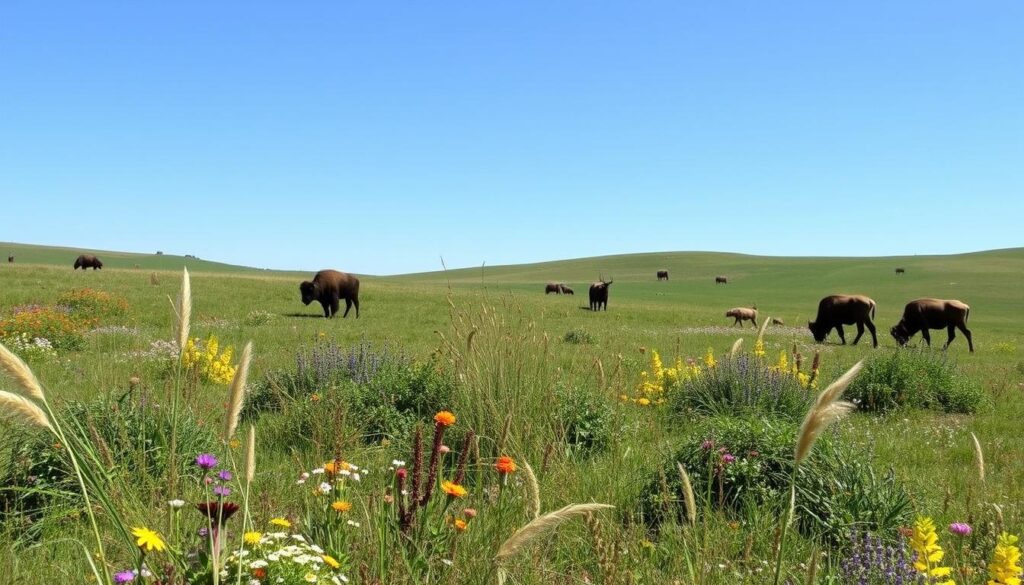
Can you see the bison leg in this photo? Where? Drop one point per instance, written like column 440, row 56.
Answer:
column 842, row 334
column 348, row 307
column 355, row 301
column 754, row 321
column 327, row 309
column 926, row 336
column 967, row 334
column 871, row 328
column 860, row 332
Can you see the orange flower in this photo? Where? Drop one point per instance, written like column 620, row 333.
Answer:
column 453, row 489
column 333, row 467
column 505, row 465
column 341, row 506
column 444, row 418
column 460, row 524
column 259, row 573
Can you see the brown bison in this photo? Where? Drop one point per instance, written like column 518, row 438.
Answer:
column 567, row 291
column 663, row 275
column 924, row 314
column 86, row 261
column 900, row 271
column 599, row 295
column 742, row 314
column 328, row 287
column 10, row 259
column 553, row 287
column 777, row 321
column 721, row 280
column 838, row 310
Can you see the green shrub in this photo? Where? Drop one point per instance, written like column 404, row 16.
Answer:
column 585, row 420
column 737, row 464
column 741, row 385
column 915, row 379
column 578, row 336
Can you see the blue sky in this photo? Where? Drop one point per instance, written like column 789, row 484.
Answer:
column 376, row 137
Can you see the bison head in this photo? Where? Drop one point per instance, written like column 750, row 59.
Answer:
column 900, row 334
column 817, row 331
column 309, row 292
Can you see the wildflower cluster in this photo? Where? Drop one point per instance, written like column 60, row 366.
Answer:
column 208, row 360
column 96, row 303
column 806, row 379
column 29, row 347
column 928, row 554
column 870, row 560
column 328, row 509
column 57, row 326
column 655, row 383
column 280, row 557
column 1005, row 569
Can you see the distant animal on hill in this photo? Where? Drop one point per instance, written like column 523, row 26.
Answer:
column 900, row 271
column 553, row 287
column 742, row 314
column 777, row 321
column 721, row 280
column 329, row 287
column 663, row 275
column 10, row 259
column 86, row 261
column 837, row 310
column 924, row 314
column 567, row 291
column 599, row 295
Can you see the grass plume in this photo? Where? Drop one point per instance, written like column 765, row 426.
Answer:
column 250, row 455
column 23, row 410
column 534, row 487
column 688, row 499
column 979, row 458
column 22, row 375
column 827, row 408
column 735, row 347
column 184, row 310
column 236, row 392
column 538, row 526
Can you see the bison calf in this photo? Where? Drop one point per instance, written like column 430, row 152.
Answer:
column 567, row 291
column 924, row 314
column 329, row 287
column 837, row 310
column 742, row 314
column 721, row 280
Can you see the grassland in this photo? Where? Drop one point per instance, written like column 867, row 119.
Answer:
column 930, row 452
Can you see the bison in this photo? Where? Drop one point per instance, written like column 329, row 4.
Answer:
column 599, row 295
column 86, row 261
column 721, row 280
column 567, row 291
column 924, row 314
column 837, row 310
column 663, row 275
column 900, row 271
column 553, row 287
column 742, row 314
column 328, row 287
column 10, row 259
column 777, row 321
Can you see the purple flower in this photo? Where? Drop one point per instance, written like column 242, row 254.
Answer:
column 222, row 491
column 124, row 577
column 960, row 529
column 224, row 475
column 728, row 458
column 204, row 532
column 707, row 445
column 206, row 461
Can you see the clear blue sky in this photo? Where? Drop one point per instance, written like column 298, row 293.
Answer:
column 375, row 137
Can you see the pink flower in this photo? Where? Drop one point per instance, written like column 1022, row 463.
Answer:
column 960, row 529
column 707, row 445
column 728, row 458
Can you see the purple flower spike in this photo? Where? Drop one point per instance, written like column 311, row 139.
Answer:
column 124, row 577
column 222, row 491
column 224, row 475
column 960, row 529
column 206, row 461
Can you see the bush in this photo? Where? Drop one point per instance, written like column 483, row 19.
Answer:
column 585, row 420
column 53, row 324
column 258, row 317
column 915, row 379
column 741, row 385
column 737, row 464
column 93, row 303
column 578, row 336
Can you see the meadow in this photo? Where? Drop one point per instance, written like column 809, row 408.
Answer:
column 538, row 378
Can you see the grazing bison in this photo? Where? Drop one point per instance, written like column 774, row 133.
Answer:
column 838, row 310
column 599, row 295
column 553, row 287
column 721, row 280
column 924, row 314
column 777, row 321
column 86, row 261
column 663, row 275
column 742, row 314
column 900, row 271
column 328, row 287
column 567, row 291
column 10, row 259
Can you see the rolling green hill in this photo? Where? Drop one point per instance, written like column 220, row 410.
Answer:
column 55, row 255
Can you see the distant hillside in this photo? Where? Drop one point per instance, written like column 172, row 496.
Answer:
column 53, row 255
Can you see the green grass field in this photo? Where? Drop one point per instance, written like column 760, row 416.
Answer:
column 512, row 369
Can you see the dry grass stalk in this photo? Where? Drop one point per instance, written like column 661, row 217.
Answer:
column 827, row 408
column 22, row 375
column 469, row 340
column 600, row 374
column 688, row 499
column 764, row 325
column 735, row 347
column 250, row 455
column 979, row 458
column 505, row 430
column 184, row 310
column 236, row 392
column 534, row 487
column 539, row 526
column 606, row 558
column 24, row 410
column 154, row 279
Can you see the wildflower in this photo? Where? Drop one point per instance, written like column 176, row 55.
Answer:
column 234, row 443
column 324, row 488
column 453, row 490
column 460, row 525
column 505, row 465
column 224, row 475
column 469, row 513
column 252, row 538
column 707, row 445
column 206, row 461
column 444, row 449
column 124, row 577
column 176, row 504
column 310, row 578
column 148, row 540
column 709, row 359
column 222, row 491
column 444, row 418
column 928, row 554
column 331, row 561
column 280, row 522
column 728, row 458
column 960, row 529
column 644, row 401
column 759, row 348
column 341, row 506
column 1005, row 567
column 336, row 466
column 218, row 511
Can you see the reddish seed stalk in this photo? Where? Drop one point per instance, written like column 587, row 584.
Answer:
column 460, row 470
column 435, row 459
column 417, row 458
column 404, row 515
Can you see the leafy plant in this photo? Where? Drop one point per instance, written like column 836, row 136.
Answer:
column 578, row 336
column 915, row 379
column 585, row 420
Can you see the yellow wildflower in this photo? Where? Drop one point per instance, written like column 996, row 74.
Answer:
column 148, row 540
column 644, row 401
column 709, row 359
column 341, row 506
column 331, row 561
column 280, row 522
column 927, row 552
column 453, row 489
column 759, row 348
column 1005, row 567
column 252, row 538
